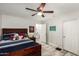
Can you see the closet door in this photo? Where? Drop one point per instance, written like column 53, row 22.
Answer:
column 71, row 36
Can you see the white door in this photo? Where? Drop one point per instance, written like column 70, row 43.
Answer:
column 71, row 36
column 41, row 32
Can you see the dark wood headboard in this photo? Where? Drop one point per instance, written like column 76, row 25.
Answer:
column 14, row 30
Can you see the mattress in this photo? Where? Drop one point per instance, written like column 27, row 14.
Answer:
column 10, row 46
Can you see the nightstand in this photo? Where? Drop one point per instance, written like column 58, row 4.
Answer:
column 33, row 38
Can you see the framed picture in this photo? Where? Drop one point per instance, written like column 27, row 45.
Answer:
column 52, row 28
column 31, row 29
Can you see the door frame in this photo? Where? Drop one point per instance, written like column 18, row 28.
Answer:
column 46, row 32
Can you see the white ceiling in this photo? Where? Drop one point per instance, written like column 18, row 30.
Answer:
column 18, row 9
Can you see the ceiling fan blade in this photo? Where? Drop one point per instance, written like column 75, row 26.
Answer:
column 42, row 15
column 34, row 14
column 31, row 9
column 41, row 7
column 48, row 11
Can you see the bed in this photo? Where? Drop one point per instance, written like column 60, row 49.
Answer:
column 25, row 47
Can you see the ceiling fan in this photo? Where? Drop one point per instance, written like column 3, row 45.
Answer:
column 40, row 10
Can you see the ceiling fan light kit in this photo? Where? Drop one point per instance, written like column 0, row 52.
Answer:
column 39, row 13
column 40, row 10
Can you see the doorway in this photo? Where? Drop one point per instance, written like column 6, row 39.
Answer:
column 41, row 32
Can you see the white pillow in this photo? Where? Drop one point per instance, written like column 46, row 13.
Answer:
column 16, row 36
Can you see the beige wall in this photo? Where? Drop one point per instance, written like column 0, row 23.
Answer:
column 16, row 22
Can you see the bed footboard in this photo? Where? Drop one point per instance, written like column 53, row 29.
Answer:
column 30, row 51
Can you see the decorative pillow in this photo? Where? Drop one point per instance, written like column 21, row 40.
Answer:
column 21, row 35
column 16, row 36
column 12, row 36
column 8, row 36
column 5, row 36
